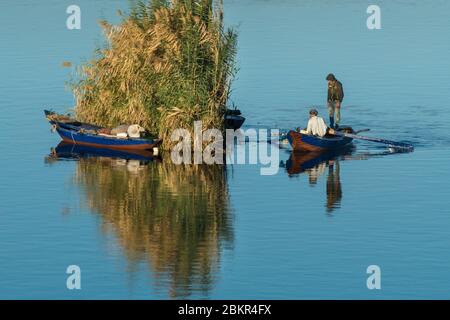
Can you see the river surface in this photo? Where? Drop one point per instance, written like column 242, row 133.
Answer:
column 148, row 229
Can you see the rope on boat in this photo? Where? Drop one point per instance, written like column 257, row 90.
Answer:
column 71, row 135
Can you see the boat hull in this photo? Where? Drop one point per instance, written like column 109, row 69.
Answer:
column 309, row 143
column 98, row 141
column 234, row 121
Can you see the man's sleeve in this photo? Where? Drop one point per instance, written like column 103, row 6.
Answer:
column 324, row 126
column 341, row 93
column 309, row 128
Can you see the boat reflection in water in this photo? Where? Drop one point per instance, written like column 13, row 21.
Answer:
column 69, row 151
column 316, row 165
column 174, row 217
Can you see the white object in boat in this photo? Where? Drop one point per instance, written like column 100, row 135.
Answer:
column 134, row 131
column 122, row 135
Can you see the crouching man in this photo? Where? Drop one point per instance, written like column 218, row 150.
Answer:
column 316, row 125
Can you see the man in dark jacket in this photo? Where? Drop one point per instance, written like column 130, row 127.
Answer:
column 335, row 97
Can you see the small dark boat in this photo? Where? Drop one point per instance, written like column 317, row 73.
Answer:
column 86, row 134
column 305, row 142
column 233, row 119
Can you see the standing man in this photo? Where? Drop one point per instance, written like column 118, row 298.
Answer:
column 335, row 97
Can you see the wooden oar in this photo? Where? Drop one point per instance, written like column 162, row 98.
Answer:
column 378, row 140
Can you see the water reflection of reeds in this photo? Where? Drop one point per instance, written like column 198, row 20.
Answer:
column 175, row 217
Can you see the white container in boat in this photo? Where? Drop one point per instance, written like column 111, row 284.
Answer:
column 122, row 135
column 135, row 130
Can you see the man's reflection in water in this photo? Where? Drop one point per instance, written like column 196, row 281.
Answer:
column 315, row 165
column 334, row 190
column 315, row 172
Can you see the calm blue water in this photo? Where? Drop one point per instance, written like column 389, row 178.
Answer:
column 155, row 230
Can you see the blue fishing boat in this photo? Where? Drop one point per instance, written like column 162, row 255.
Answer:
column 307, row 143
column 86, row 134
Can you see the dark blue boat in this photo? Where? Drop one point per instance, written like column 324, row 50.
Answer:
column 86, row 134
column 233, row 119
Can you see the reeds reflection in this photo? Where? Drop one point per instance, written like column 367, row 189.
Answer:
column 174, row 217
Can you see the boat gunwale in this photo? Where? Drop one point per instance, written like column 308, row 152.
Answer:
column 59, row 127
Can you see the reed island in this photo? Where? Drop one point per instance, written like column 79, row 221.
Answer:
column 164, row 66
